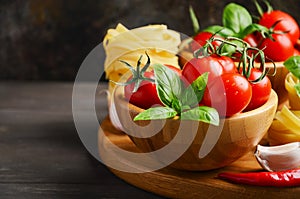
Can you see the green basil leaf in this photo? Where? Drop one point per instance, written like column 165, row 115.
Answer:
column 293, row 65
column 156, row 113
column 250, row 29
column 169, row 85
column 219, row 30
column 236, row 17
column 193, row 94
column 297, row 88
column 176, row 105
column 203, row 114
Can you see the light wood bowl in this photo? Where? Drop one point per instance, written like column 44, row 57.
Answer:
column 277, row 81
column 238, row 135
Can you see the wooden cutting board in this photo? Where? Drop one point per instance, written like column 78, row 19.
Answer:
column 174, row 183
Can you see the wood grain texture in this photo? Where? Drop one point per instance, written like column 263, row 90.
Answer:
column 41, row 155
column 174, row 183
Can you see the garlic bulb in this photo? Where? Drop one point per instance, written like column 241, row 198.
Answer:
column 278, row 158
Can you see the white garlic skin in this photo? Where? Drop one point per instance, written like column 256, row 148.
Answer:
column 279, row 158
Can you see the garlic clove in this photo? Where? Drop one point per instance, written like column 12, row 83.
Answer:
column 278, row 158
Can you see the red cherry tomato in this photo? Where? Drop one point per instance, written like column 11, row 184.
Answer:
column 287, row 23
column 214, row 64
column 201, row 39
column 146, row 96
column 177, row 70
column 227, row 63
column 278, row 50
column 260, row 91
column 197, row 66
column 251, row 39
column 296, row 52
column 231, row 92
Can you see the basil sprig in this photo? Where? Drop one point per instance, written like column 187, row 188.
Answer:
column 179, row 100
column 237, row 22
column 293, row 65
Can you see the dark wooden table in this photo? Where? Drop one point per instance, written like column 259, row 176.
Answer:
column 41, row 154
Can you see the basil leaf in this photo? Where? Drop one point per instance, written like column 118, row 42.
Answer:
column 297, row 88
column 203, row 114
column 293, row 65
column 250, row 29
column 169, row 85
column 156, row 113
column 193, row 94
column 219, row 30
column 176, row 105
column 236, row 17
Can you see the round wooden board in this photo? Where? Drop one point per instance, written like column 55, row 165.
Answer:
column 174, row 183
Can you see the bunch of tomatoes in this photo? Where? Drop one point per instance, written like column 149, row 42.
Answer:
column 276, row 33
column 280, row 45
column 239, row 89
column 226, row 86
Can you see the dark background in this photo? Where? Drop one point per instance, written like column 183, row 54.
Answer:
column 48, row 39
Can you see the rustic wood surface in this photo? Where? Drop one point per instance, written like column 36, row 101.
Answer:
column 41, row 155
column 175, row 183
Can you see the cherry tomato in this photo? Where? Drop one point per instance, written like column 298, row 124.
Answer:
column 227, row 63
column 278, row 50
column 260, row 91
column 201, row 39
column 177, row 70
column 229, row 94
column 296, row 52
column 197, row 66
column 251, row 39
column 287, row 23
column 146, row 96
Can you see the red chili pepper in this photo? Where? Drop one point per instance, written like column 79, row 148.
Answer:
column 287, row 178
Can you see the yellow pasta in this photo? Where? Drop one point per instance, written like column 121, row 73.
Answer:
column 294, row 99
column 290, row 117
column 297, row 113
column 282, row 137
column 160, row 43
column 285, row 127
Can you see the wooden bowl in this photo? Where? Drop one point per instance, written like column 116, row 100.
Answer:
column 239, row 134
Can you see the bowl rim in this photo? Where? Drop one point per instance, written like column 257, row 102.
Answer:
column 270, row 103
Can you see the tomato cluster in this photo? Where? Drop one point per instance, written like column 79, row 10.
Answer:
column 275, row 34
column 228, row 90
column 280, row 41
